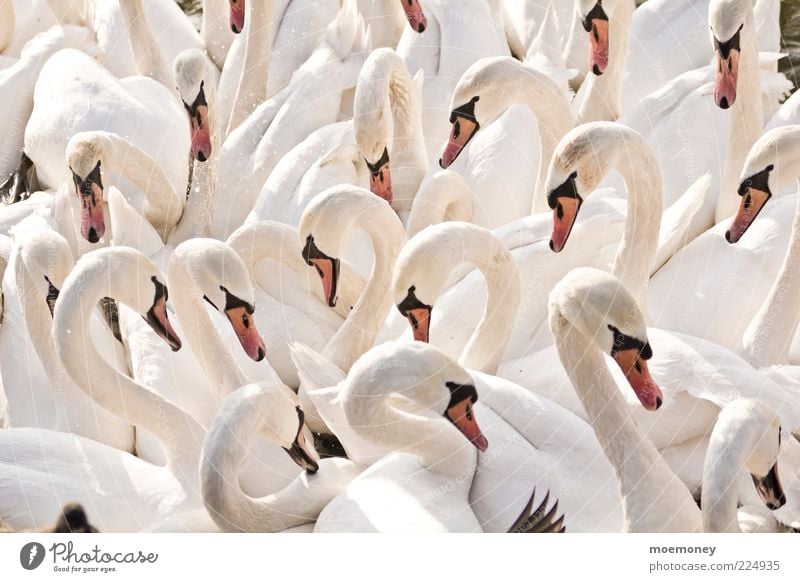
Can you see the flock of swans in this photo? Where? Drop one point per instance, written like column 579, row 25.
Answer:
column 398, row 265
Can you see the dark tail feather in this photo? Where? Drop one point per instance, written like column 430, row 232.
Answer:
column 541, row 520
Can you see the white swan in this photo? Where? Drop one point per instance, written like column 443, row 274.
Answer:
column 540, row 444
column 289, row 300
column 592, row 314
column 384, row 141
column 312, row 100
column 772, row 164
column 271, row 411
column 17, row 83
column 485, row 97
column 730, row 315
column 38, row 392
column 416, row 414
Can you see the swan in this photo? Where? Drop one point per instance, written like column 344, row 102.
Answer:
column 60, row 466
column 485, row 97
column 288, row 300
column 445, row 50
column 592, row 313
column 96, row 158
column 270, row 410
column 737, row 317
column 384, row 141
column 770, row 166
column 45, row 469
column 387, row 19
column 312, row 100
column 684, row 363
column 17, row 87
column 324, row 228
column 537, row 442
column 140, row 109
column 38, row 392
column 417, row 414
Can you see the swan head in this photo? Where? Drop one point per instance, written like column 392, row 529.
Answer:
column 596, row 305
column 372, row 120
column 85, row 152
column 727, row 19
column 768, row 167
column 126, row 275
column 327, row 221
column 47, row 259
column 479, row 98
column 594, row 15
column 755, row 428
column 191, row 73
column 414, row 14
column 237, row 10
column 221, row 276
column 282, row 421
column 581, row 160
column 417, row 378
column 420, row 275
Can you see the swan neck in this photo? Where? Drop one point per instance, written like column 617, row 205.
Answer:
column 639, row 245
column 252, row 89
column 747, row 120
column 233, row 510
column 603, row 100
column 728, row 449
column 163, row 206
column 439, row 200
column 485, row 348
column 768, row 338
column 646, row 482
column 200, row 332
column 146, row 409
column 144, row 46
column 215, row 30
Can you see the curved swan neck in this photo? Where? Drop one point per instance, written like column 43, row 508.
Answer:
column 144, row 46
column 726, row 456
column 224, row 452
column 199, row 330
column 747, row 118
column 604, row 98
column 485, row 348
column 176, row 430
column 252, row 89
column 442, row 448
column 768, row 338
column 358, row 332
column 654, row 498
column 443, row 196
column 270, row 240
column 637, row 249
column 163, row 206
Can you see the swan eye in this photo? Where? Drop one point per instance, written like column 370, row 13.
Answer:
column 246, row 321
column 456, row 129
column 468, row 412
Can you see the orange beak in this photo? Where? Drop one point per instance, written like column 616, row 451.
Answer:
column 564, row 215
column 420, row 320
column 157, row 318
column 201, row 134
column 462, row 416
column 596, row 24
column 751, row 204
column 644, row 386
column 380, row 178
column 462, row 132
column 244, row 325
